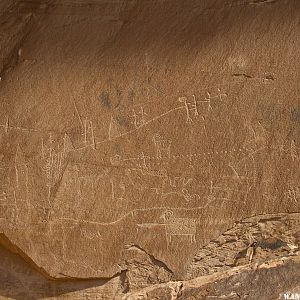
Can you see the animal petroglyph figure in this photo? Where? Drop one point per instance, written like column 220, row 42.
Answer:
column 179, row 186
column 163, row 146
column 175, row 226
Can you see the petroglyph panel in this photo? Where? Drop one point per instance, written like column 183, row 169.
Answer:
column 130, row 137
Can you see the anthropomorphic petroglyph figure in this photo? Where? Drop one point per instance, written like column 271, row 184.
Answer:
column 21, row 170
column 175, row 226
column 118, row 189
column 293, row 194
column 191, row 109
column 256, row 137
column 3, row 196
column 209, row 98
column 144, row 161
column 139, row 117
column 20, row 191
column 54, row 156
column 7, row 125
column 89, row 135
column 208, row 101
column 294, row 151
column 162, row 146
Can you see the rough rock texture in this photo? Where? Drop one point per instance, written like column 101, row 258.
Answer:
column 16, row 21
column 266, row 281
column 269, row 277
column 147, row 143
column 256, row 240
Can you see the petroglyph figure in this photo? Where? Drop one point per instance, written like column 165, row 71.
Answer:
column 90, row 235
column 144, row 161
column 78, row 114
column 293, row 194
column 21, row 169
column 116, row 160
column 162, row 146
column 7, row 125
column 221, row 192
column 54, row 156
column 190, row 108
column 115, row 130
column 3, row 196
column 118, row 189
column 89, row 136
column 294, row 151
column 221, row 95
column 208, row 100
column 256, row 137
column 179, row 186
column 139, row 117
column 175, row 226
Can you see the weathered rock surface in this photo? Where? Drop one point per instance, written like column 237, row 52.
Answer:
column 147, row 143
column 229, row 267
column 266, row 281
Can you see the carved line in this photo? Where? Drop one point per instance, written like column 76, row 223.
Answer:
column 212, row 199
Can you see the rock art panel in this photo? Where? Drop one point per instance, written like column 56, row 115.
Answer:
column 154, row 125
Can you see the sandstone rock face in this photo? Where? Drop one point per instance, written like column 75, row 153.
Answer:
column 147, row 146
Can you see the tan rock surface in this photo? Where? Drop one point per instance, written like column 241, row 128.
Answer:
column 135, row 134
column 272, row 271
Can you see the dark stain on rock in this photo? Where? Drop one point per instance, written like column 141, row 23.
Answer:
column 270, row 243
column 123, row 121
column 105, row 100
column 270, row 113
column 269, row 77
column 262, row 1
column 295, row 114
column 241, row 254
column 131, row 95
column 118, row 92
column 242, row 75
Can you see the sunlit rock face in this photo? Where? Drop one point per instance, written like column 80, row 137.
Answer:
column 144, row 142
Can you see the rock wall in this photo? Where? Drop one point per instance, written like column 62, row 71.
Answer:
column 17, row 19
column 232, row 266
column 5, row 5
column 149, row 145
